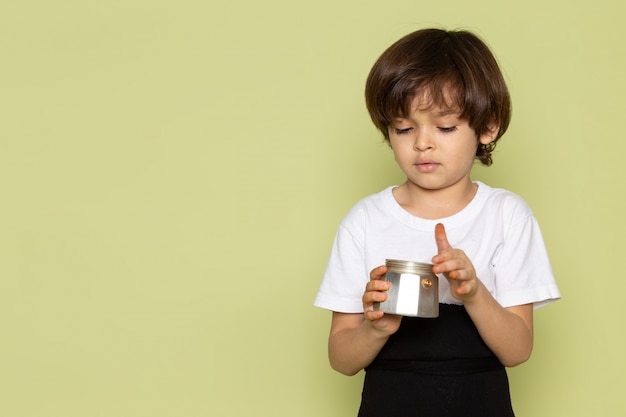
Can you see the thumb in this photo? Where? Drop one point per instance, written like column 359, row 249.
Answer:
column 441, row 238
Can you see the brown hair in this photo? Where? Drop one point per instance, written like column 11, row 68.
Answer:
column 453, row 69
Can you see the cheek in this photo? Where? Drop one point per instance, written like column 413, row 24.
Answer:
column 401, row 152
column 464, row 149
column 396, row 155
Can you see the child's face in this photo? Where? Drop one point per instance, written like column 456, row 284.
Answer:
column 433, row 147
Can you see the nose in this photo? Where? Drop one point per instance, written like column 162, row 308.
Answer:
column 423, row 141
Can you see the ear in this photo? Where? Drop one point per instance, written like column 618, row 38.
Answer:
column 489, row 136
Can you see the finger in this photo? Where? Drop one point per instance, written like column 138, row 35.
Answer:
column 372, row 315
column 463, row 289
column 377, row 285
column 378, row 272
column 441, row 238
column 461, row 275
column 453, row 269
column 371, row 297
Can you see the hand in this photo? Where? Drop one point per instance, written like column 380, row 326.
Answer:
column 376, row 292
column 456, row 267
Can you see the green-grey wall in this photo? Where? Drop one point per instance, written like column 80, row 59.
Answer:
column 172, row 174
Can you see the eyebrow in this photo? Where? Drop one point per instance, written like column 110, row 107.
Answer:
column 449, row 112
column 438, row 114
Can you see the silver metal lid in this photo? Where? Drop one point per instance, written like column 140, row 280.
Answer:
column 409, row 267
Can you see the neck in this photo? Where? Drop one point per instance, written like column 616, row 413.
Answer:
column 434, row 203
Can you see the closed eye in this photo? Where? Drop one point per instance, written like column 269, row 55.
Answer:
column 403, row 131
column 447, row 129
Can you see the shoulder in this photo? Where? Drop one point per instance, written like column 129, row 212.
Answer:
column 369, row 207
column 508, row 204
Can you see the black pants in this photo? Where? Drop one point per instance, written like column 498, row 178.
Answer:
column 436, row 367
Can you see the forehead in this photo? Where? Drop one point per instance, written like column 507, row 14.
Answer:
column 442, row 99
column 439, row 105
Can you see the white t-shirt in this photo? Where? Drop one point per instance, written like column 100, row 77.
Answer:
column 497, row 231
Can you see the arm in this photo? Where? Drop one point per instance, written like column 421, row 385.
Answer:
column 356, row 339
column 507, row 331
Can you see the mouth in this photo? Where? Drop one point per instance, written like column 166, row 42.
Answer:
column 426, row 166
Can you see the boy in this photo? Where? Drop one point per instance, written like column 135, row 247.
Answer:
column 440, row 101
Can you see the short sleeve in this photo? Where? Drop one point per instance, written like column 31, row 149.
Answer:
column 345, row 277
column 523, row 273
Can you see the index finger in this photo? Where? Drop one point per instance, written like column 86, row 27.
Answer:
column 441, row 238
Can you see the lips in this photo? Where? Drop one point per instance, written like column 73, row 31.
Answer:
column 426, row 165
